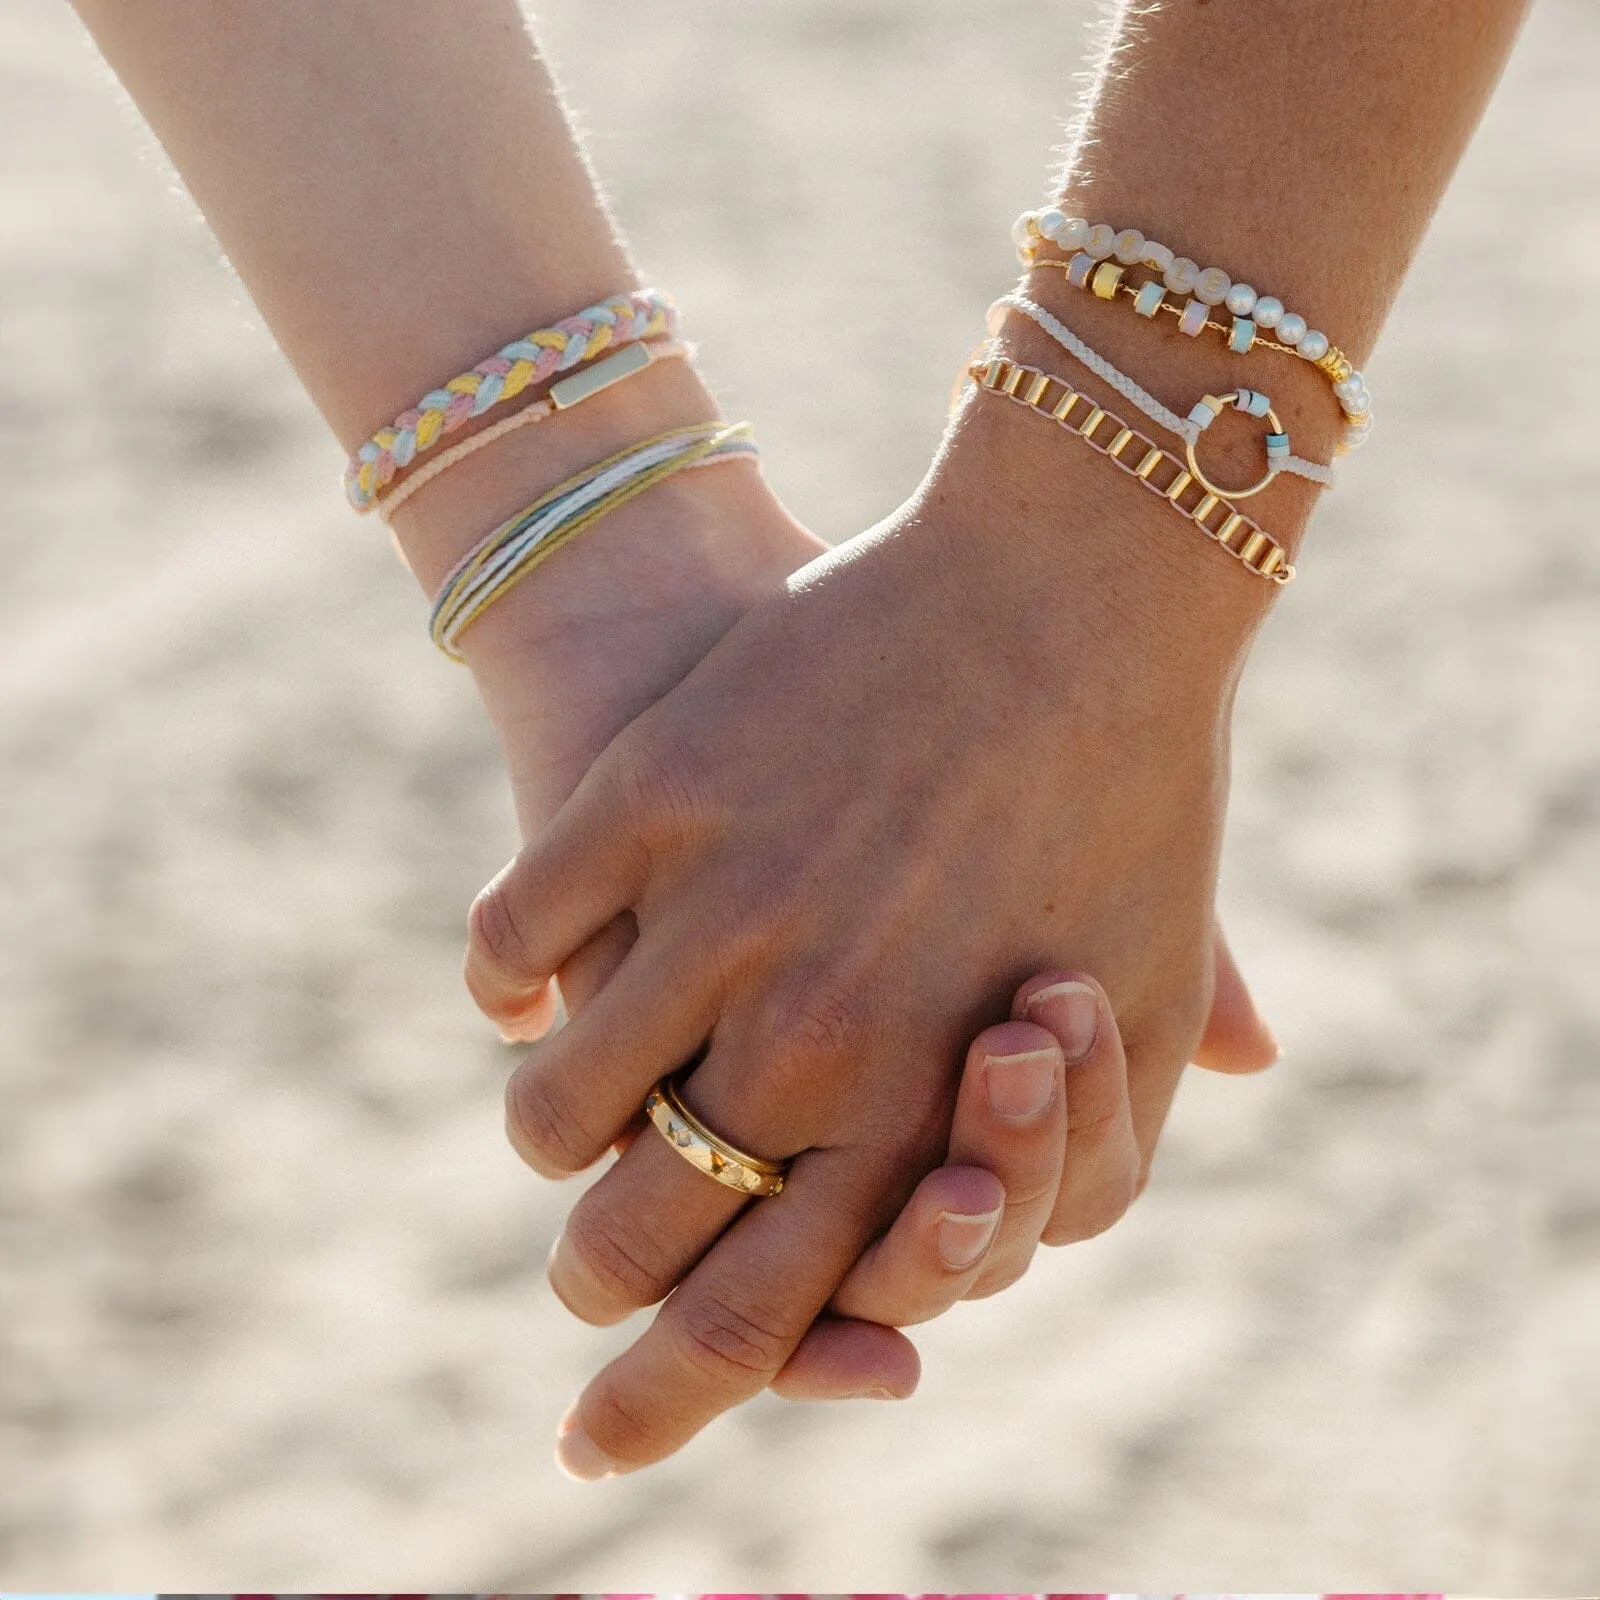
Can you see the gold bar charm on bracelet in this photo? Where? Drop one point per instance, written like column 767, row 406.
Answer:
column 605, row 372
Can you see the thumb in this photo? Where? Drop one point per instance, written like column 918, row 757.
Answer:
column 1236, row 1039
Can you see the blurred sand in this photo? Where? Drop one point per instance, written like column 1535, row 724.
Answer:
column 273, row 1311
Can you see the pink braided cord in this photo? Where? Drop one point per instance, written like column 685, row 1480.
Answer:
column 622, row 319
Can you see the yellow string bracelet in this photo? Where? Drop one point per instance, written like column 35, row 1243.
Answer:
column 511, row 551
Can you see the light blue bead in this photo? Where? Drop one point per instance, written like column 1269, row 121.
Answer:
column 1253, row 403
column 1242, row 336
column 1277, row 446
column 1148, row 300
column 1202, row 414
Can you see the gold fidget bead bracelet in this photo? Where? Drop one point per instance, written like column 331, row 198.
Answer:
column 1162, row 474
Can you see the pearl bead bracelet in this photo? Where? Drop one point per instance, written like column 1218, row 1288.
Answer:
column 1103, row 255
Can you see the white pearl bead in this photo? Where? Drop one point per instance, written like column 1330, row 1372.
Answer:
column 1101, row 241
column 1213, row 286
column 1075, row 235
column 1347, row 390
column 1291, row 327
column 1313, row 345
column 1051, row 223
column 1182, row 275
column 1022, row 231
column 1129, row 246
column 1269, row 309
column 1241, row 300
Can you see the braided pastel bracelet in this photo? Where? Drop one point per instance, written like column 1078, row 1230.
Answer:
column 620, row 320
column 562, row 396
column 1188, row 428
column 1108, row 435
column 511, row 551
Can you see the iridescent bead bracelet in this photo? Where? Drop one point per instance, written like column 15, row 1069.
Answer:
column 1100, row 262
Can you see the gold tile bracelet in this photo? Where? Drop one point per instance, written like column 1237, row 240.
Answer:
column 1162, row 474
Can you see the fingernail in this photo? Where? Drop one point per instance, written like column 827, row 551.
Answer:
column 1021, row 1086
column 578, row 1455
column 876, row 1392
column 962, row 1239
column 1078, row 1008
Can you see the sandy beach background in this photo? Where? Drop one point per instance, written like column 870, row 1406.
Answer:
column 272, row 1312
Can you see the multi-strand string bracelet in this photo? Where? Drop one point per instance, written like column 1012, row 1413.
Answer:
column 1098, row 260
column 583, row 354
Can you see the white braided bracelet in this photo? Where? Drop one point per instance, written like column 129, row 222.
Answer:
column 1189, row 428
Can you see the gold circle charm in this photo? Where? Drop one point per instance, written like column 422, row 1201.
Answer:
column 1253, row 404
column 702, row 1148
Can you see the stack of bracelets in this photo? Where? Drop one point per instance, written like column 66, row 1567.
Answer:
column 1098, row 259
column 584, row 354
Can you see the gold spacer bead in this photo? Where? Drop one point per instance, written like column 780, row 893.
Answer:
column 1336, row 364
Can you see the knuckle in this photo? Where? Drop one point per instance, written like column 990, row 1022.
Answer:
column 545, row 1128
column 1001, row 1278
column 621, row 1258
column 814, row 1024
column 663, row 787
column 624, row 1426
column 1094, row 1209
column 495, row 927
column 737, row 1347
column 1026, row 1193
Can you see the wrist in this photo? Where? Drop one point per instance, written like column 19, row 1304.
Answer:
column 446, row 516
column 573, row 652
column 1104, row 558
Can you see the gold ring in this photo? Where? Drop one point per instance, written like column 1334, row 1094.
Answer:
column 701, row 1148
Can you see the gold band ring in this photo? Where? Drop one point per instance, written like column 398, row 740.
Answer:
column 702, row 1148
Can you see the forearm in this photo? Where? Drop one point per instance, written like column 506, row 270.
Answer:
column 1302, row 148
column 398, row 188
